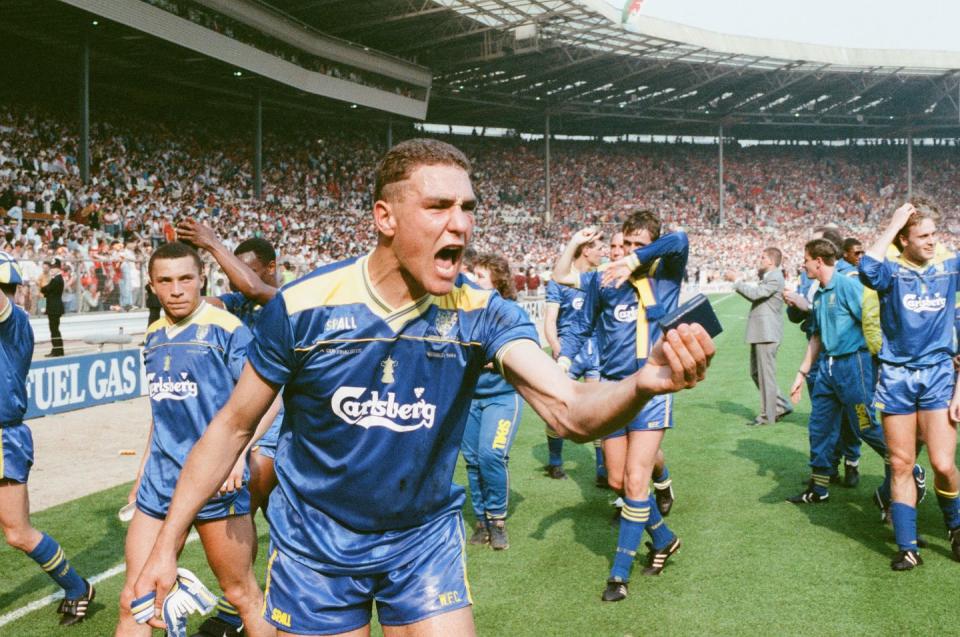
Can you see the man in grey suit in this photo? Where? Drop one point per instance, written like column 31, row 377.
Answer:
column 764, row 333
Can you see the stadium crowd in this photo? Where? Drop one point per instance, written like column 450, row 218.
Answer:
column 316, row 194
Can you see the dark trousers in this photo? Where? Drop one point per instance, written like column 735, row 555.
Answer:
column 55, row 337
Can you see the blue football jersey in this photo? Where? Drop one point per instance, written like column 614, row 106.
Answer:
column 16, row 351
column 192, row 367
column 625, row 319
column 916, row 306
column 376, row 400
column 572, row 321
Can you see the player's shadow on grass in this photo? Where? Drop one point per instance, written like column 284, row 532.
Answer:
column 108, row 549
column 849, row 512
column 735, row 409
column 591, row 513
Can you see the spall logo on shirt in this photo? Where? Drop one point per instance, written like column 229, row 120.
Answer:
column 916, row 303
column 166, row 388
column 354, row 407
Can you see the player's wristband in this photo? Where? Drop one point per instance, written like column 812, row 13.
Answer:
column 802, row 373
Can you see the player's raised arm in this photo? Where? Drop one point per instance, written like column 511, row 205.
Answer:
column 584, row 411
column 878, row 251
column 563, row 271
column 674, row 244
column 243, row 279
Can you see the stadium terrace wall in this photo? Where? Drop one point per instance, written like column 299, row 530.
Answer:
column 164, row 25
column 76, row 382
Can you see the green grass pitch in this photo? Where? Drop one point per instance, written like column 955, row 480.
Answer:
column 751, row 564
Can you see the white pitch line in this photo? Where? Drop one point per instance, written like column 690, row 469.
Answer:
column 56, row 597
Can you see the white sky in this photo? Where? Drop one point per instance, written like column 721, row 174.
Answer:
column 874, row 24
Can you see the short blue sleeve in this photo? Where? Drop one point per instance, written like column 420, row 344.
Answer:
column 503, row 322
column 553, row 292
column 877, row 275
column 236, row 351
column 272, row 351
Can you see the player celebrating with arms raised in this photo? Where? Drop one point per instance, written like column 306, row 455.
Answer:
column 916, row 378
column 379, row 358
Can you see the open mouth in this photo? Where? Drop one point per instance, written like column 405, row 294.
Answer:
column 447, row 259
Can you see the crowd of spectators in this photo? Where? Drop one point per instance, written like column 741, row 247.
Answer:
column 317, row 188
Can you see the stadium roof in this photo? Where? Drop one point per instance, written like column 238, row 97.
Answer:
column 501, row 63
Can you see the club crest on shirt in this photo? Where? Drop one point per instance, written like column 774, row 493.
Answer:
column 445, row 322
column 202, row 332
column 388, row 365
column 577, row 303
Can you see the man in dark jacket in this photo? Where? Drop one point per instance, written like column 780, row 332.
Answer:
column 53, row 291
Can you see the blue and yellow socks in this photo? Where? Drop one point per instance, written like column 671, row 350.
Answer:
column 49, row 555
column 228, row 613
column 633, row 518
column 660, row 533
column 950, row 507
column 904, row 518
column 821, row 484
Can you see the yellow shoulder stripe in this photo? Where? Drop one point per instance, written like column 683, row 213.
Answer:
column 463, row 297
column 343, row 286
column 221, row 318
column 159, row 324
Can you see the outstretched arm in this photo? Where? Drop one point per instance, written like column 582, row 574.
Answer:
column 241, row 277
column 585, row 411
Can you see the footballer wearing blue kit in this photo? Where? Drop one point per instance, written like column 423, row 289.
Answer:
column 624, row 319
column 193, row 356
column 564, row 314
column 917, row 379
column 379, row 357
column 16, row 453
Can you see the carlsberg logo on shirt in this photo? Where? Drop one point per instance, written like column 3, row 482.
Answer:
column 916, row 303
column 166, row 388
column 349, row 404
column 625, row 313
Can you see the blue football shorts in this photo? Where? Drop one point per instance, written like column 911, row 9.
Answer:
column 656, row 414
column 905, row 390
column 586, row 364
column 16, row 453
column 304, row 601
column 156, row 492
